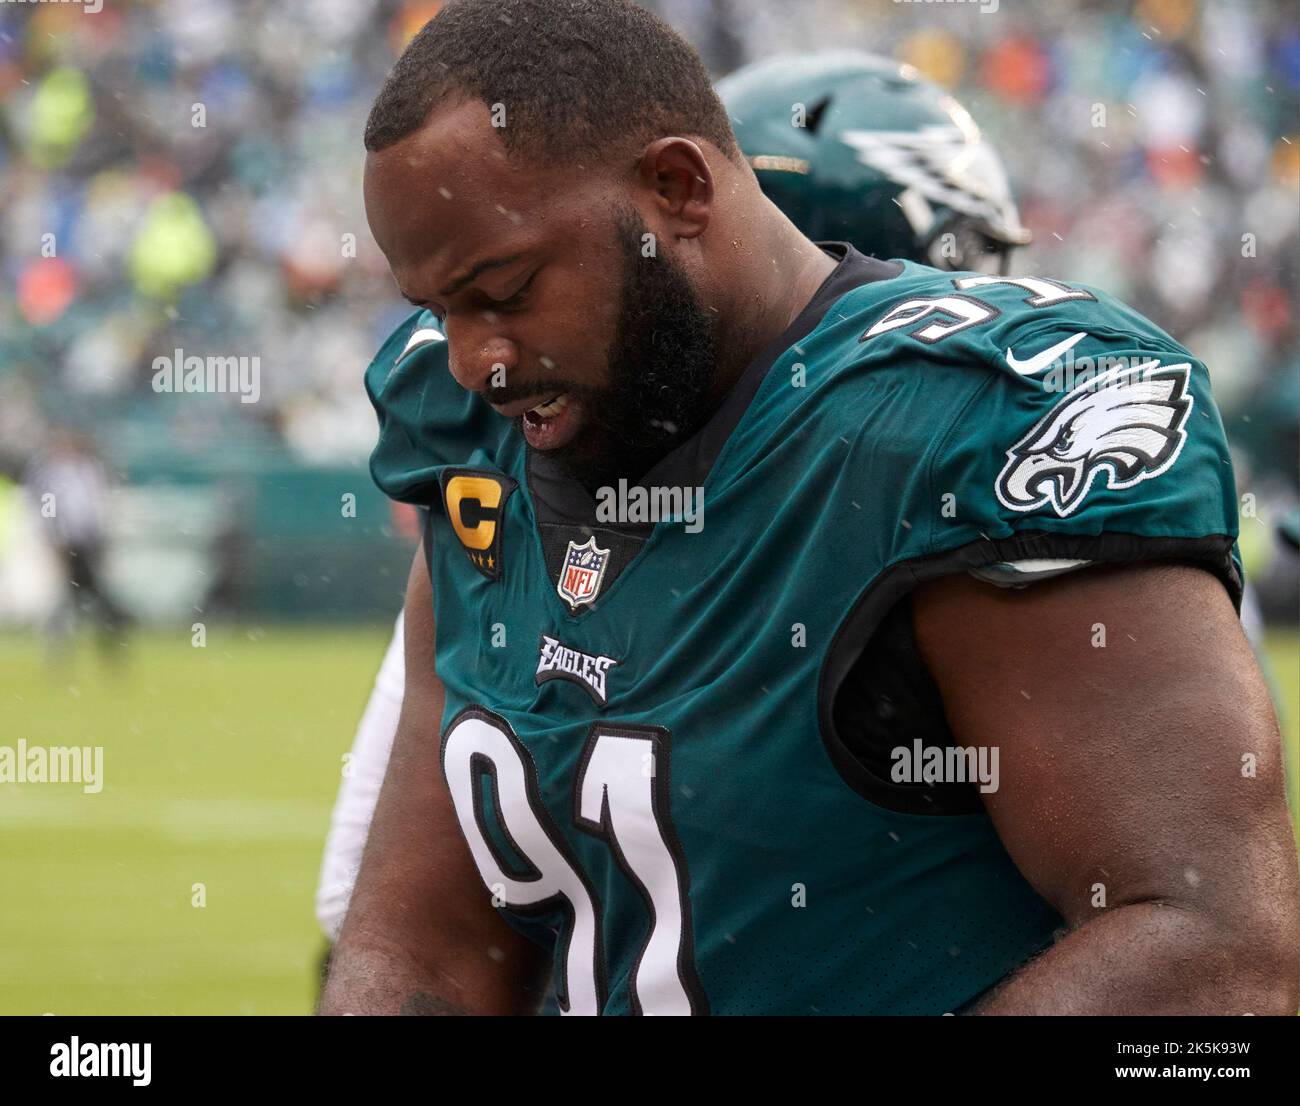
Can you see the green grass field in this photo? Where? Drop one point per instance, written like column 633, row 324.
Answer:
column 220, row 768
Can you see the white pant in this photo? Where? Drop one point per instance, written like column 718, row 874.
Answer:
column 359, row 792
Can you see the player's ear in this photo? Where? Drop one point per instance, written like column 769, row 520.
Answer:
column 676, row 174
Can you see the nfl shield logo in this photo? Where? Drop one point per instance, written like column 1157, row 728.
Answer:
column 582, row 572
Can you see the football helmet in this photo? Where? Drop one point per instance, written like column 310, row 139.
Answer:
column 858, row 148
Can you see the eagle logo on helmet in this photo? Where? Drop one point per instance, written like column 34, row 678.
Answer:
column 1127, row 424
column 935, row 160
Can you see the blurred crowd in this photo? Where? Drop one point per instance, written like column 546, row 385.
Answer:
column 184, row 175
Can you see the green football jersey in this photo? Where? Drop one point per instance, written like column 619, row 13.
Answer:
column 644, row 734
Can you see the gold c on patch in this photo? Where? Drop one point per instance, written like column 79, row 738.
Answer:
column 475, row 501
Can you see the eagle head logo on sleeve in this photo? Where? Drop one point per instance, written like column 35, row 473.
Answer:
column 1127, row 423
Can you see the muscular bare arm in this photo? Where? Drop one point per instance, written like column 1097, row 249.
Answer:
column 421, row 935
column 1122, row 774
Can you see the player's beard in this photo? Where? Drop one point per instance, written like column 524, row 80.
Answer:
column 662, row 366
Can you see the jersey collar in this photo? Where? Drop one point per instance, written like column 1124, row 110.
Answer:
column 560, row 499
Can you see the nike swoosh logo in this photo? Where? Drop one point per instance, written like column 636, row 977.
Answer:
column 1031, row 365
column 419, row 338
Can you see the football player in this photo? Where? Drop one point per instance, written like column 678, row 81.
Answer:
column 724, row 767
column 957, row 214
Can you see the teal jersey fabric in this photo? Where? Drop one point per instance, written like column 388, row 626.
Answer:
column 425, row 418
column 640, row 736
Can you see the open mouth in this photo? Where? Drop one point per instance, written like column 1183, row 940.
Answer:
column 548, row 409
column 553, row 422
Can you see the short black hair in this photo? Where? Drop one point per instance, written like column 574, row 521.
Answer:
column 579, row 79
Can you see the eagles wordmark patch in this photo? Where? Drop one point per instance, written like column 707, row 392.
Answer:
column 1127, row 424
column 475, row 500
column 556, row 661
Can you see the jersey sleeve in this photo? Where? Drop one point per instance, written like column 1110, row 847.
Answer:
column 1114, row 455
column 426, row 420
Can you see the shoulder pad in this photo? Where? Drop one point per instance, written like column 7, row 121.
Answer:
column 426, row 420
